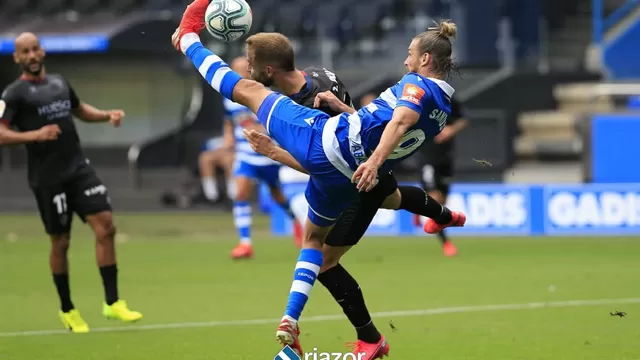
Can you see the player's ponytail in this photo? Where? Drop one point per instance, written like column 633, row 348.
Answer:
column 447, row 29
column 437, row 42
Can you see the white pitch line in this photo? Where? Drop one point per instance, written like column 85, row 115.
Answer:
column 396, row 314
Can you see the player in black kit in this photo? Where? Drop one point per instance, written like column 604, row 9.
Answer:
column 271, row 61
column 40, row 106
column 437, row 171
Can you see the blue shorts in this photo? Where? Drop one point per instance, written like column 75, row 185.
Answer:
column 298, row 130
column 269, row 174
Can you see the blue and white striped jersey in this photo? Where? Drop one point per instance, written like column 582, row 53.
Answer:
column 241, row 116
column 357, row 135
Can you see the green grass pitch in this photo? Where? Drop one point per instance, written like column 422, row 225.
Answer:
column 500, row 298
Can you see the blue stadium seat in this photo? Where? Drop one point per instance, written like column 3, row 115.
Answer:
column 634, row 102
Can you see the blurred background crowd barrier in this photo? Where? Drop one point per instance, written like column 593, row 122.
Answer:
column 551, row 89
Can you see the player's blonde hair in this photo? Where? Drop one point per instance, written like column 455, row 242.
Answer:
column 437, row 42
column 272, row 49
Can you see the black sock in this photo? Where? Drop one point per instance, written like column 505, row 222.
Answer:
column 62, row 285
column 443, row 237
column 109, row 276
column 345, row 289
column 417, row 201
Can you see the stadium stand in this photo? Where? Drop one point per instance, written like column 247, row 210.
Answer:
column 365, row 41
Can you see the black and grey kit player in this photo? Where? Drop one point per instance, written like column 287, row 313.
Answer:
column 61, row 179
column 37, row 110
column 436, row 173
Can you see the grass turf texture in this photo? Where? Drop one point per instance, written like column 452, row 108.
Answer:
column 176, row 270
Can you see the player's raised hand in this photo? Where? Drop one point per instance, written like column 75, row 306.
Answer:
column 48, row 133
column 329, row 98
column 260, row 143
column 366, row 176
column 115, row 117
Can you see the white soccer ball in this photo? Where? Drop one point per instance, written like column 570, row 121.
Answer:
column 228, row 20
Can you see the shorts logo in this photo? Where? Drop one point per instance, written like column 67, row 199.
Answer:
column 358, row 152
column 412, row 93
column 3, row 107
column 100, row 189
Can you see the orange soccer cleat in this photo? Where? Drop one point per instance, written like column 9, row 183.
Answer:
column 457, row 219
column 192, row 21
column 366, row 351
column 449, row 249
column 288, row 334
column 242, row 251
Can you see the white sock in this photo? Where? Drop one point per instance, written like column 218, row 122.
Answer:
column 210, row 188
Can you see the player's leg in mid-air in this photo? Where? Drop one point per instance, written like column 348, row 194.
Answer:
column 218, row 74
column 294, row 127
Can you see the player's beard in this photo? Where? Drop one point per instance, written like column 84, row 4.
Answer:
column 31, row 69
column 263, row 79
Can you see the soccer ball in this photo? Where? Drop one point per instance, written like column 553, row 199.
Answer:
column 228, row 20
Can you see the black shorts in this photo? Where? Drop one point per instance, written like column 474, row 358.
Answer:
column 83, row 194
column 355, row 220
column 437, row 177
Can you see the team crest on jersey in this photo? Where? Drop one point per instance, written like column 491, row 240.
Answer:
column 3, row 107
column 412, row 94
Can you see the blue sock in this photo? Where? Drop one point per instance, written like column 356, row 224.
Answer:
column 217, row 73
column 242, row 220
column 307, row 269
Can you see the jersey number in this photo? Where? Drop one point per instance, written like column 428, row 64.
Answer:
column 60, row 202
column 409, row 143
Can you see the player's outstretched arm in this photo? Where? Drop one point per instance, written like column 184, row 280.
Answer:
column 284, row 157
column 88, row 113
column 262, row 144
column 10, row 137
column 403, row 119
